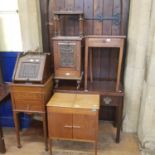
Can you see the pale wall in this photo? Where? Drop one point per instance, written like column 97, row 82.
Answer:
column 30, row 24
column 20, row 31
column 140, row 75
column 10, row 32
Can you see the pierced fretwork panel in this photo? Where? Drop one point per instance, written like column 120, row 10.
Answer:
column 67, row 54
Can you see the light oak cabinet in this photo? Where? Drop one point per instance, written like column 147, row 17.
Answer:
column 64, row 123
column 73, row 117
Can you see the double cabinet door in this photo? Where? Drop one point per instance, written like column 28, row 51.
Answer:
column 78, row 126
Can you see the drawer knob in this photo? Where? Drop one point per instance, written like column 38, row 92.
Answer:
column 107, row 100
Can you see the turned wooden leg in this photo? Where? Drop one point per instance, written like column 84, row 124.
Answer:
column 91, row 65
column 56, row 83
column 86, row 68
column 50, row 146
column 16, row 122
column 2, row 144
column 119, row 122
column 78, row 84
column 95, row 147
column 45, row 131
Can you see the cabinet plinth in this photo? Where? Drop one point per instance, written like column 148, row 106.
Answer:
column 72, row 117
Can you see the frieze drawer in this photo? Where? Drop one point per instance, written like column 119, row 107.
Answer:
column 110, row 100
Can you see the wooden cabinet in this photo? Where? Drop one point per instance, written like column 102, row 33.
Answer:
column 67, row 57
column 73, row 117
column 67, row 50
column 64, row 124
column 30, row 98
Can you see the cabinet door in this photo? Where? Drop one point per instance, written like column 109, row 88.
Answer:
column 67, row 58
column 59, row 125
column 85, row 126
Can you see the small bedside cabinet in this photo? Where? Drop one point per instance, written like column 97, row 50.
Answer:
column 73, row 117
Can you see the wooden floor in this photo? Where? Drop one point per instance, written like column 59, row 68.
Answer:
column 32, row 143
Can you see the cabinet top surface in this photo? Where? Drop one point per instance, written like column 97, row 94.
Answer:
column 86, row 101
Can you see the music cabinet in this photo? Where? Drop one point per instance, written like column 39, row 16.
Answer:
column 30, row 98
column 31, row 88
column 67, row 50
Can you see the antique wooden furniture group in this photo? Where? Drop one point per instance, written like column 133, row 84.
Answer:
column 86, row 47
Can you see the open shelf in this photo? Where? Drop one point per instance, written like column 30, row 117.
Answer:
column 95, row 87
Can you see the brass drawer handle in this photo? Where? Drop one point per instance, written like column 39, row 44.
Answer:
column 107, row 100
column 77, row 127
column 68, row 126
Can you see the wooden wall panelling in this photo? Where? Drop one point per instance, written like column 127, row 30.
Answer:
column 116, row 11
column 98, row 10
column 116, row 29
column 97, row 30
column 107, row 30
column 78, row 6
column 88, row 13
column 125, row 15
column 70, row 26
column 60, row 5
column 50, row 19
column 107, row 11
column 44, row 23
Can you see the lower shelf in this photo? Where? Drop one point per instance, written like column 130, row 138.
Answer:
column 97, row 87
